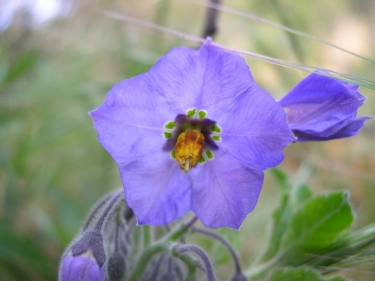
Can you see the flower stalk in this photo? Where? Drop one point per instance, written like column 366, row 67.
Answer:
column 225, row 244
column 198, row 251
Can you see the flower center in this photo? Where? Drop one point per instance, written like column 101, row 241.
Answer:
column 188, row 149
column 192, row 138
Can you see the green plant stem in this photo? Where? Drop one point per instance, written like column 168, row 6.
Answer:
column 147, row 236
column 225, row 243
column 155, row 248
column 191, row 264
column 144, row 259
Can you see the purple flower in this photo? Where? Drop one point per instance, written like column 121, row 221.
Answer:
column 321, row 108
column 193, row 133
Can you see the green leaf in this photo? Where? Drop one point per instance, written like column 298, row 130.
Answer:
column 317, row 223
column 298, row 274
column 281, row 178
column 280, row 220
column 280, row 216
column 290, row 200
column 302, row 193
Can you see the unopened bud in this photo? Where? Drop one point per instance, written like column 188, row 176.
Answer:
column 84, row 260
column 116, row 267
column 83, row 267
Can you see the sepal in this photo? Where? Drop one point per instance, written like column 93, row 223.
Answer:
column 84, row 261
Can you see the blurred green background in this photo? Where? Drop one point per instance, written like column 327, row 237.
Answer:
column 52, row 72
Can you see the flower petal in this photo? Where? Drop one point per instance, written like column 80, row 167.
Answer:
column 318, row 103
column 208, row 78
column 156, row 189
column 349, row 128
column 130, row 122
column 255, row 130
column 224, row 191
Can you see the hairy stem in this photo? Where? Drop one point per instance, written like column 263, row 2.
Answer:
column 225, row 243
column 206, row 260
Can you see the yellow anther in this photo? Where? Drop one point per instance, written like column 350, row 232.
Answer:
column 188, row 149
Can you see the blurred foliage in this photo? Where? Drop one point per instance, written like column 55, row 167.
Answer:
column 302, row 227
column 300, row 274
column 52, row 169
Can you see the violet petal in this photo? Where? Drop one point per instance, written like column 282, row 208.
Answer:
column 255, row 131
column 349, row 128
column 156, row 189
column 224, row 191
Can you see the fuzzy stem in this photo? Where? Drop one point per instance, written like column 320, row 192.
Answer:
column 157, row 247
column 179, row 231
column 144, row 259
column 203, row 256
column 99, row 224
column 96, row 209
column 191, row 222
column 225, row 243
column 191, row 264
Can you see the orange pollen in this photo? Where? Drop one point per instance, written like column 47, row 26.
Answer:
column 188, row 149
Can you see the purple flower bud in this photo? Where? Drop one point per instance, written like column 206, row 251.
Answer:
column 320, row 108
column 84, row 260
column 83, row 267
